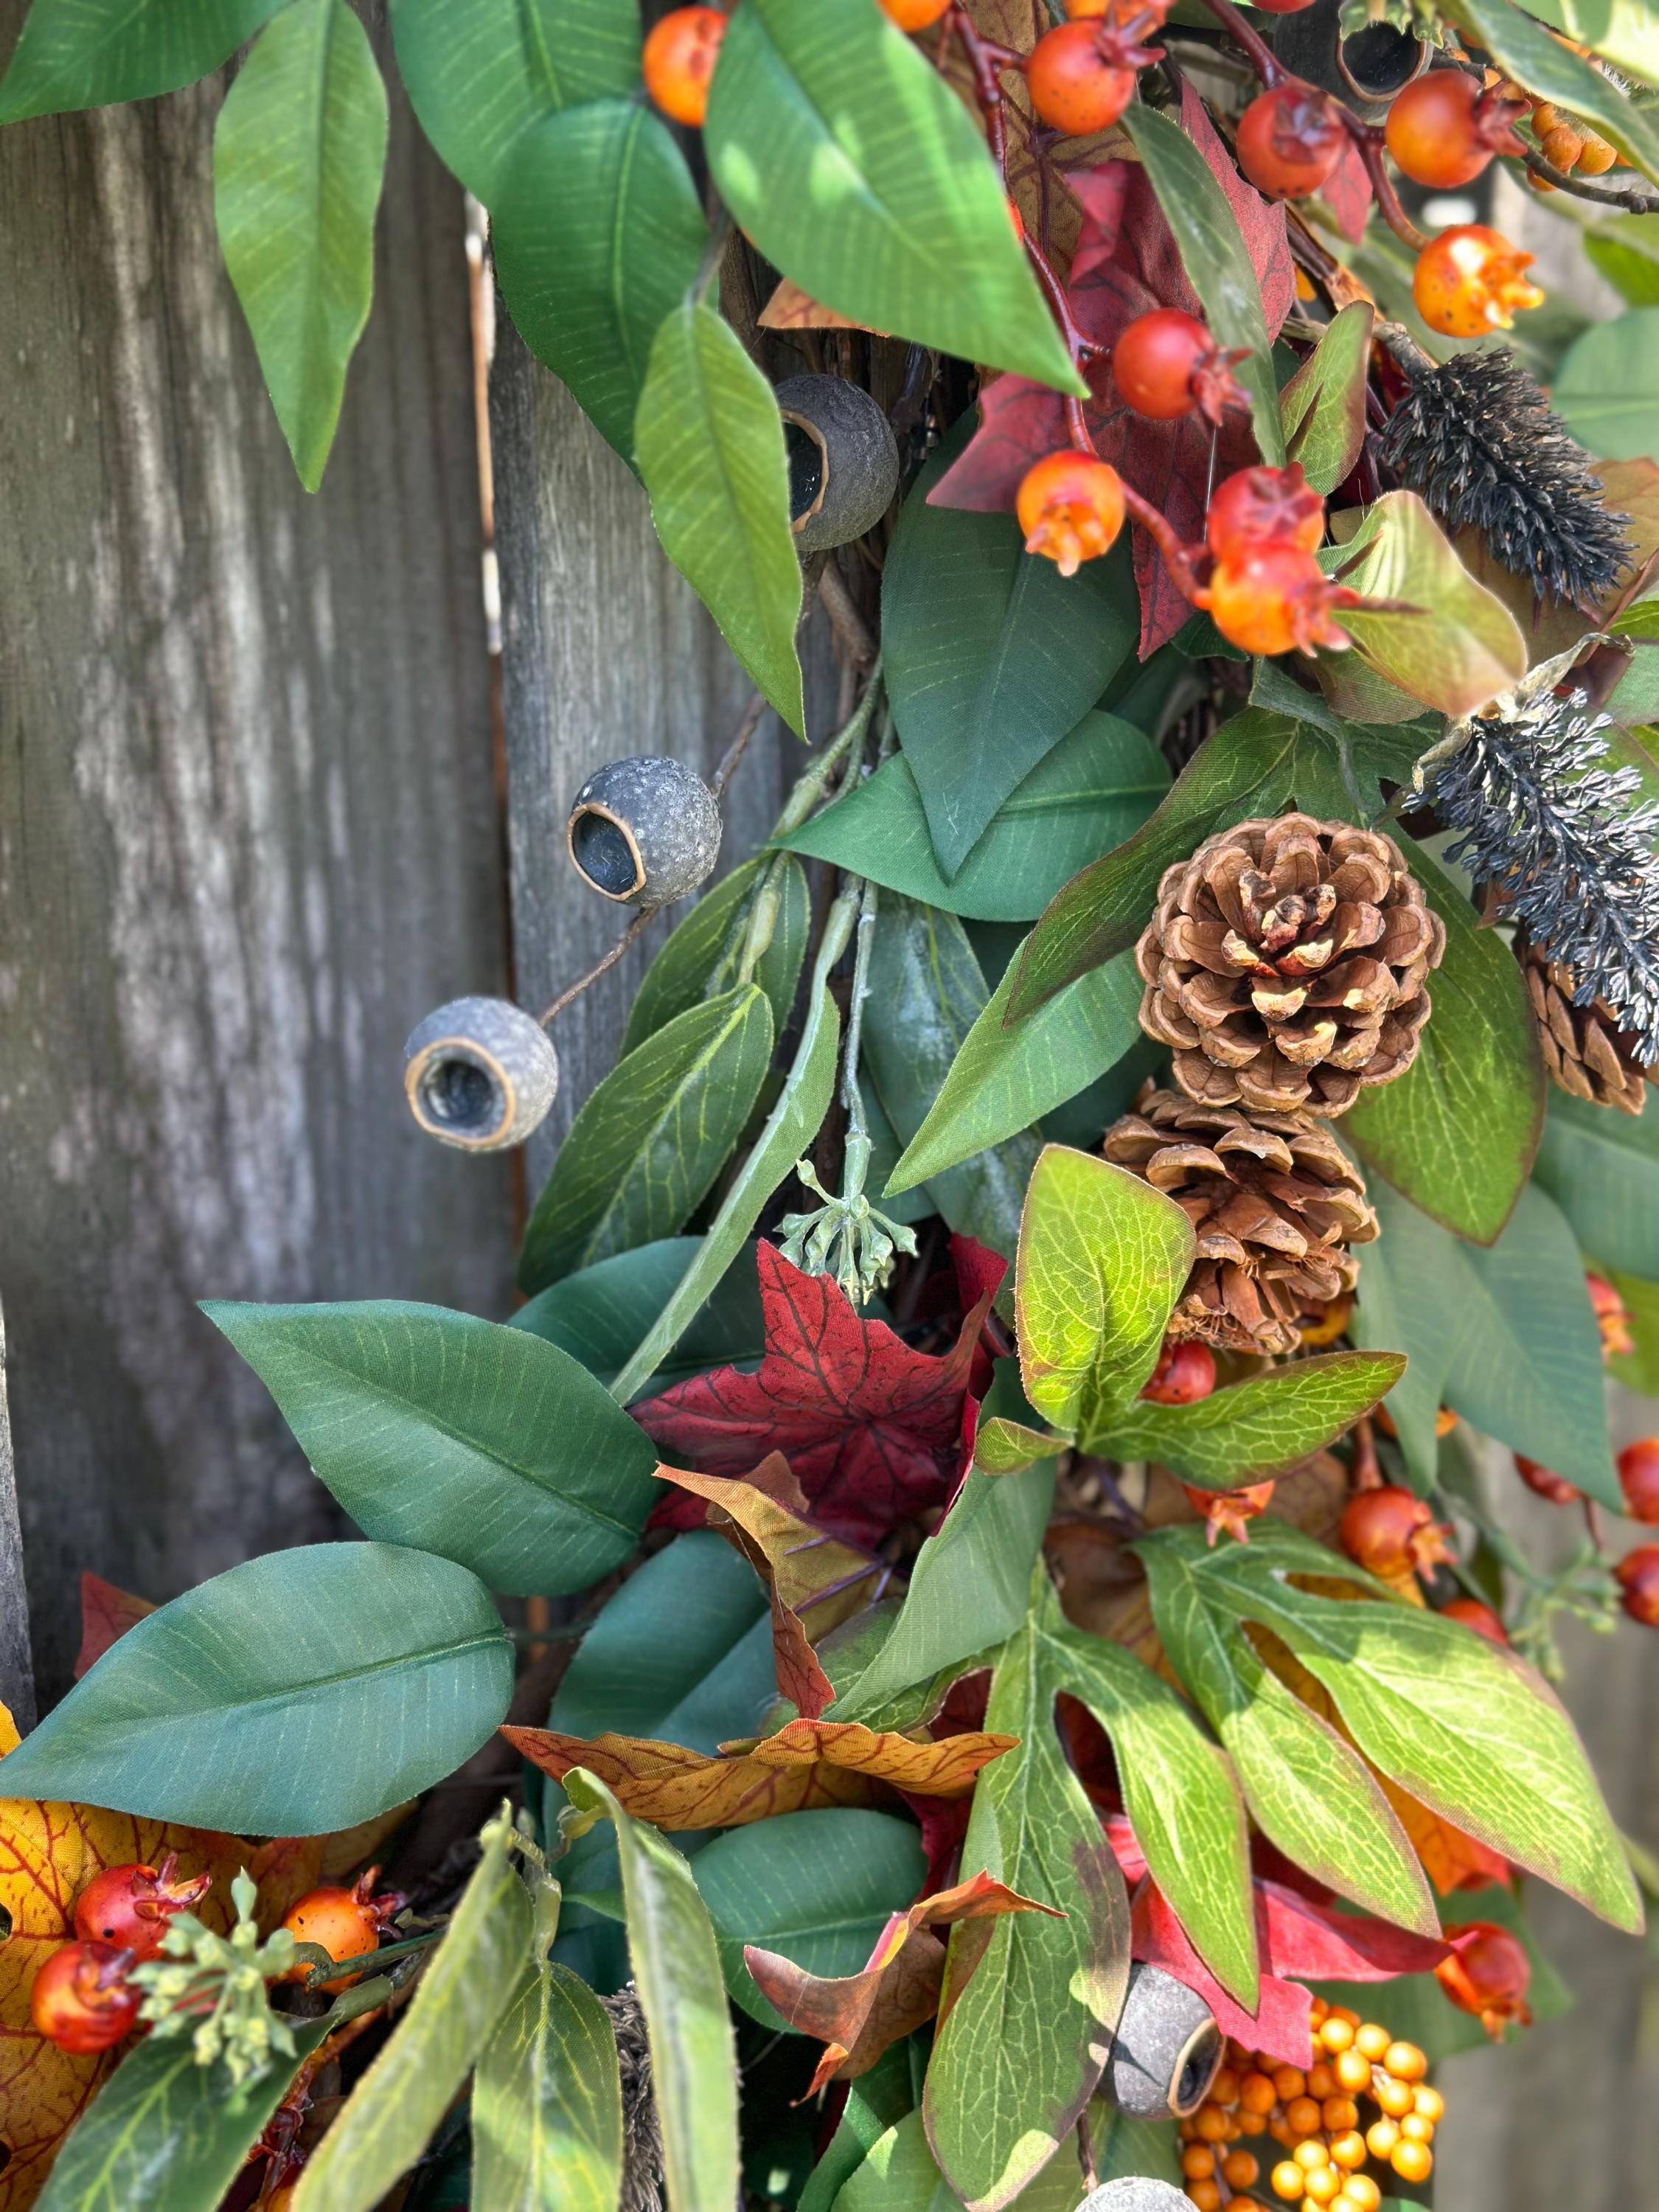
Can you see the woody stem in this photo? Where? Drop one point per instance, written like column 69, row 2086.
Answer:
column 1180, row 559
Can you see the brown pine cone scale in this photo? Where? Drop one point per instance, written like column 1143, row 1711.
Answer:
column 1285, row 963
column 1275, row 1203
column 1586, row 1052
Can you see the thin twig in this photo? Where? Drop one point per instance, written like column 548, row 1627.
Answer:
column 609, row 960
column 1627, row 201
column 852, row 632
column 739, row 745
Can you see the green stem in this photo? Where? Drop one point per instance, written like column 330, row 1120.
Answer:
column 811, row 787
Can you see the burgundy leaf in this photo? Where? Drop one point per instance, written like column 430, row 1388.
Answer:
column 1347, row 193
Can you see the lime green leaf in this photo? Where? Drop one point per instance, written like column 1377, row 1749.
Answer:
column 598, row 235
column 1626, row 252
column 1457, row 1132
column 1526, row 52
column 480, row 75
column 547, row 2115
column 1640, row 621
column 651, row 1138
column 1625, row 31
column 1606, row 390
column 876, row 2101
column 841, row 152
column 1639, row 1369
column 900, row 2174
column 702, row 957
column 479, row 1969
column 1323, row 406
column 601, row 1313
column 92, row 53
column 484, row 1444
column 298, row 153
column 292, row 1695
column 1102, row 1259
column 1259, row 1426
column 708, row 439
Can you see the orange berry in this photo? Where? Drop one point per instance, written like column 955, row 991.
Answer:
column 1336, row 2035
column 1197, row 2162
column 1211, row 2124
column 1546, row 118
column 1251, row 2123
column 1469, row 1612
column 1353, row 2071
column 1360, row 2190
column 1637, row 1576
column 1394, row 2097
column 1555, row 1487
column 1561, row 147
column 1287, row 2181
column 679, row 61
column 1381, row 2139
column 1070, row 507
column 1405, row 2062
column 1429, row 2103
column 1271, row 599
column 1165, row 363
column 1185, row 1373
column 1206, row 2195
column 1489, row 1969
column 1416, row 2129
column 1289, row 2082
column 1321, row 2082
column 81, row 1999
column 1265, row 507
column 1223, row 2090
column 1323, row 2184
column 1597, row 157
column 1413, row 2161
column 338, row 1921
column 132, row 1906
column 1390, row 1532
column 1074, row 87
column 1434, row 130
column 1280, row 2129
column 1638, row 1478
column 1303, row 2113
column 1290, row 140
column 1339, row 2114
column 1256, row 2093
column 1348, row 2149
column 1612, row 1313
column 914, row 15
column 1239, row 2170
column 1309, row 2154
column 1470, row 281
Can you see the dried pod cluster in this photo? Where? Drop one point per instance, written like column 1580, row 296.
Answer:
column 1586, row 1052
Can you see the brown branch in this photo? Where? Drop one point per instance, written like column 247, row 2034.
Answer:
column 739, row 745
column 1628, row 201
column 852, row 632
column 609, row 960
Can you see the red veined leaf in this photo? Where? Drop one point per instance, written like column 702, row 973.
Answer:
column 1347, row 193
column 106, row 1613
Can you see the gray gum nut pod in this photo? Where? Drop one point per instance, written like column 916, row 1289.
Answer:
column 644, row 831
column 1167, row 2050
column 480, row 1074
column 843, row 461
column 1138, row 2193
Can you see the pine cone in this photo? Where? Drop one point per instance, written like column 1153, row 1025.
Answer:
column 1275, row 1201
column 1586, row 1052
column 1286, row 965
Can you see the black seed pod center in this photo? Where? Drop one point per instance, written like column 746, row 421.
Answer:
column 1381, row 59
column 805, row 468
column 604, row 854
column 457, row 1094
column 1198, row 2069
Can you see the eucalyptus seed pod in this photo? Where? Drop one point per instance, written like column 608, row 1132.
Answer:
column 480, row 1074
column 1167, row 2050
column 843, row 461
column 1136, row 2193
column 644, row 831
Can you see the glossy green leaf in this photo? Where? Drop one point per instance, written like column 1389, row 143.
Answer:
column 547, row 2113
column 1322, row 408
column 1216, row 259
column 1458, row 1131
column 1639, row 1369
column 1625, row 31
column 598, row 236
column 708, row 440
column 816, row 1887
column 1095, row 789
column 299, row 153
column 480, row 74
column 703, row 954
column 1503, row 1335
column 601, row 1314
column 1261, row 1427
column 477, row 1971
column 992, row 656
column 1601, row 1169
column 900, row 2173
column 484, row 1444
column 876, row 2101
column 1125, row 2148
column 1102, row 1259
column 1607, row 391
column 651, row 1138
column 1639, row 621
column 295, row 1694
column 855, row 170
column 1526, row 52
column 92, row 53
column 1626, row 252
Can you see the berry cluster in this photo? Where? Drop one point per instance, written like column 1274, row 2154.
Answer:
column 1567, row 143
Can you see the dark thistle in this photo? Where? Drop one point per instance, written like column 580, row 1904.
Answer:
column 1477, row 438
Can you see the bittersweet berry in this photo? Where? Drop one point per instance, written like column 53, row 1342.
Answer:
column 1070, row 507
column 1444, row 130
column 1470, row 281
column 1488, row 1974
column 914, row 15
column 1555, row 1487
column 1081, row 75
column 1185, row 1373
column 132, row 1906
column 1637, row 1576
column 1638, row 1478
column 1264, row 507
column 1290, row 140
column 1165, row 364
column 1273, row 598
column 81, row 2000
column 678, row 62
column 1389, row 1531
column 346, row 1923
column 1471, row 1614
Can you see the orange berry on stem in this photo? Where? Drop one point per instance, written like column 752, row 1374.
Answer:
column 1076, row 83
column 1405, row 2062
column 1371, row 2041
column 914, row 15
column 1638, row 1478
column 1336, row 2035
column 1488, row 1974
column 1363, row 2192
column 1185, row 1373
column 1273, row 598
column 1239, row 2169
column 1637, row 1576
column 1413, row 2161
column 1197, row 2162
column 1265, row 507
column 1555, row 1487
column 679, row 61
column 1339, row 2114
column 1070, row 507
column 1561, row 147
column 1443, row 129
column 1256, row 2093
column 1388, row 1531
column 132, row 1906
column 1611, row 1317
column 1211, row 2124
column 1597, row 157
column 1394, row 2097
column 81, row 1999
column 1381, row 2138
column 1303, row 2115
column 1287, row 2181
column 1348, row 2151
column 345, row 1923
column 1470, row 280
column 1165, row 363
column 1206, row 2195
column 1429, row 2103
column 1290, row 140
column 1471, row 1614
column 1353, row 2071
column 1323, row 2184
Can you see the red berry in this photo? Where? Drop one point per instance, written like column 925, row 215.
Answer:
column 1290, row 140
column 1470, row 281
column 679, row 61
column 1228, row 1511
column 914, row 15
column 1555, row 1487
column 132, row 1906
column 1185, row 1373
column 346, row 1923
column 1077, row 82
column 1270, row 598
column 1637, row 1576
column 1444, row 130
column 1480, row 1618
column 1391, row 1532
column 1071, row 508
column 1638, row 1478
column 1611, row 1317
column 1166, row 363
column 81, row 2000
column 1265, row 507
column 1487, row 1975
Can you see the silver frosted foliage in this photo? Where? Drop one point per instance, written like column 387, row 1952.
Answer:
column 644, row 831
column 480, row 1074
column 1166, row 2050
column 843, row 461
column 1136, row 2193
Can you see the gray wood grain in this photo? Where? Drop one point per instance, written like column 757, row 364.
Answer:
column 16, row 1663
column 248, row 837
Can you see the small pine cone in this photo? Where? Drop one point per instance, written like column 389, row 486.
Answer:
column 1275, row 1202
column 1286, row 965
column 1586, row 1052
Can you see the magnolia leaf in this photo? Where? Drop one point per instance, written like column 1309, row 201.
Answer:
column 1323, row 406
column 547, row 2109
column 1257, row 1427
column 1606, row 390
column 1623, row 30
column 899, row 2174
column 601, row 1314
column 95, row 54
column 1602, row 1170
column 704, row 952
column 876, row 2102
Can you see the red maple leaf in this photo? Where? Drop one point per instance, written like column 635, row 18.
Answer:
column 1126, row 263
column 871, row 1428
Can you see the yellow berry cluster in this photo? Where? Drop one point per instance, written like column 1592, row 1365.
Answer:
column 1314, row 2117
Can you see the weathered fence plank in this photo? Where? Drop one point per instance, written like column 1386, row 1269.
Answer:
column 16, row 1664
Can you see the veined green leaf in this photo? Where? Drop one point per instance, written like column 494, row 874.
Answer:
column 547, row 2115
column 1625, row 31
column 1257, row 1427
column 1322, row 408
column 876, row 2101
column 1526, row 52
column 900, row 2173
column 702, row 956
column 1606, row 390
column 93, row 53
column 1626, row 252
column 1602, row 1170
column 601, row 1313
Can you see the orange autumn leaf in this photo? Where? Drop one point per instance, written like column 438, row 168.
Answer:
column 789, row 308
column 106, row 1613
column 806, row 1765
column 1452, row 1860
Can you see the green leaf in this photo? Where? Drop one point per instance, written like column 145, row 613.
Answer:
column 1625, row 31
column 547, row 2113
column 1503, row 1335
column 1641, row 621
column 1102, row 1259
column 992, row 656
column 480, row 74
column 1216, row 260
column 677, row 1972
column 651, row 1138
column 702, row 956
column 1526, row 52
column 1639, row 1369
column 854, row 168
column 483, row 1444
column 1607, row 391
column 1095, row 789
column 1261, row 1427
column 1626, row 252
column 1322, row 408
column 92, row 53
column 295, row 1694
column 816, row 1887
column 1129, row 2149
column 900, row 2174
column 477, row 1971
column 1458, row 1131
column 299, row 153
column 1003, row 1079
column 708, row 440
column 598, row 236
column 601, row 1313
column 875, row 2102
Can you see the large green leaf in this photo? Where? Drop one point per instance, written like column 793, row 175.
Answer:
column 843, row 154
column 598, row 235
column 547, row 2113
column 1216, row 259
column 601, row 1314
column 92, row 53
column 1095, row 789
column 298, row 153
column 816, row 1887
column 899, row 2174
column 1626, row 252
column 481, row 73
column 1602, row 1170
column 1607, row 391
column 484, row 1444
column 992, row 656
column 708, row 440
column 876, row 2101
column 294, row 1694
column 651, row 1138
column 478, row 1971
column 1257, row 1427
column 1625, row 31
column 703, row 956
column 1504, row 1335
column 1102, row 1259
column 1457, row 1132
column 1323, row 407
column 1526, row 52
